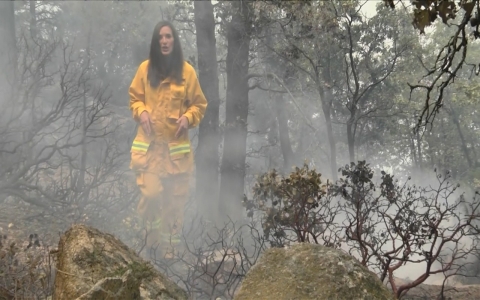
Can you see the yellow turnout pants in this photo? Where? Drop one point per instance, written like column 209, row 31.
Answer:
column 162, row 207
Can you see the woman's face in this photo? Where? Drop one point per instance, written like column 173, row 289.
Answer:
column 166, row 40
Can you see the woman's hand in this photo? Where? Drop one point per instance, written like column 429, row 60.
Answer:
column 182, row 125
column 145, row 122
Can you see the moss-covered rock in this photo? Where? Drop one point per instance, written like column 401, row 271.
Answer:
column 95, row 265
column 307, row 271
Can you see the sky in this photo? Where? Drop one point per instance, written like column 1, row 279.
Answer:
column 369, row 7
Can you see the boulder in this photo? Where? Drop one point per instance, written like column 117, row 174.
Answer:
column 308, row 271
column 95, row 265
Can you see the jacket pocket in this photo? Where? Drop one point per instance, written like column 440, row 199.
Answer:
column 180, row 156
column 178, row 95
column 139, row 155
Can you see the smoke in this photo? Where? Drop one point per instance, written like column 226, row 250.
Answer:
column 107, row 41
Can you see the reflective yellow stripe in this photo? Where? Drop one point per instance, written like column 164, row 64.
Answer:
column 183, row 148
column 157, row 223
column 180, row 151
column 140, row 146
column 179, row 146
column 139, row 149
column 171, row 238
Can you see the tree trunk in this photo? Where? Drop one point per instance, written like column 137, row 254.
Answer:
column 280, row 105
column 33, row 20
column 283, row 132
column 272, row 137
column 325, row 92
column 235, row 136
column 7, row 48
column 327, row 107
column 464, row 147
column 351, row 141
column 82, row 190
column 207, row 156
column 299, row 153
column 413, row 151
column 419, row 149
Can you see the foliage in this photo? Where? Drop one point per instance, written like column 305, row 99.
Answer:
column 386, row 225
column 451, row 57
column 295, row 207
column 26, row 272
column 426, row 12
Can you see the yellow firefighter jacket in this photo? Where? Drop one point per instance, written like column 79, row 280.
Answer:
column 160, row 152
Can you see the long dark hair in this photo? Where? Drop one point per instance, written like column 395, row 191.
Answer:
column 161, row 66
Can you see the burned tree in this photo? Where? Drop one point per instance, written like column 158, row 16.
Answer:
column 207, row 157
column 239, row 31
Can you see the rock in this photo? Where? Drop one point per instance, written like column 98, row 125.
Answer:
column 125, row 287
column 427, row 291
column 308, row 271
column 95, row 265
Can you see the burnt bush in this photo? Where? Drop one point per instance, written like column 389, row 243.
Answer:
column 385, row 224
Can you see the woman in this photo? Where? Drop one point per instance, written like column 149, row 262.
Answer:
column 166, row 100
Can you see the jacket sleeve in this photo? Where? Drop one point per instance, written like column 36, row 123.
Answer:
column 137, row 93
column 196, row 98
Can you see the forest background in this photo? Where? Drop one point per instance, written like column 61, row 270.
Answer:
column 323, row 85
